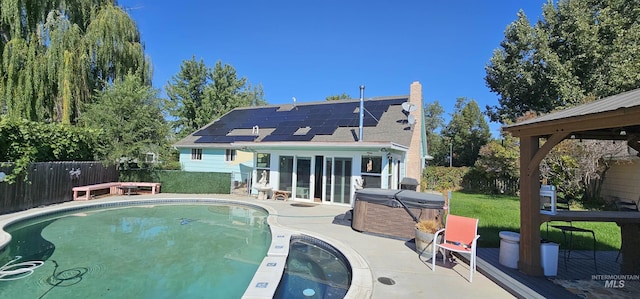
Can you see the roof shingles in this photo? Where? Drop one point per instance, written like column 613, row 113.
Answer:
column 335, row 121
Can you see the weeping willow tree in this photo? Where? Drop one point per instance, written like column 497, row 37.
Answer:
column 56, row 54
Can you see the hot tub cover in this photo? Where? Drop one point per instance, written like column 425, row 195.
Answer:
column 410, row 198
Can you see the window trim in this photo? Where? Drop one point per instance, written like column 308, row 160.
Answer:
column 266, row 168
column 378, row 174
column 373, row 172
column 196, row 154
column 230, row 155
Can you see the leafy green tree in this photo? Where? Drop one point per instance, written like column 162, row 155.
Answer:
column 500, row 159
column 23, row 142
column 578, row 51
column 433, row 120
column 186, row 94
column 253, row 96
column 130, row 120
column 229, row 92
column 468, row 131
column 198, row 94
column 57, row 54
column 343, row 96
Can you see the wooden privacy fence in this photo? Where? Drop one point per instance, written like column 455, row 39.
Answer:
column 509, row 187
column 497, row 186
column 51, row 182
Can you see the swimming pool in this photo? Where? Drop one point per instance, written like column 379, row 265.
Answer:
column 163, row 251
column 134, row 249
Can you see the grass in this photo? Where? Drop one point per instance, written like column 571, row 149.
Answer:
column 500, row 212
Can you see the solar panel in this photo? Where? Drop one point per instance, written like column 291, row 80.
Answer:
column 325, row 130
column 322, row 119
column 288, row 138
column 224, row 139
column 285, row 130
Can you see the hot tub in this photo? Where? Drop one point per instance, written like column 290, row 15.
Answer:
column 391, row 212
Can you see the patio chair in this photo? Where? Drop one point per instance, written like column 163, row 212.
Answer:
column 460, row 235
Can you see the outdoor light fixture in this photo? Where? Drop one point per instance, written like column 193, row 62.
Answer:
column 623, row 132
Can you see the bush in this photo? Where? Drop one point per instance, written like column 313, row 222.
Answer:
column 442, row 178
column 181, row 181
column 23, row 142
column 470, row 179
column 170, row 165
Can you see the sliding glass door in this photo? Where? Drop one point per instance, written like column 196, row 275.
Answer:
column 286, row 173
column 303, row 177
column 338, row 180
column 298, row 182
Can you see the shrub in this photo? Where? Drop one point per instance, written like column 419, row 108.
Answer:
column 442, row 178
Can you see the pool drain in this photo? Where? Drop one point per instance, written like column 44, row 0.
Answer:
column 386, row 280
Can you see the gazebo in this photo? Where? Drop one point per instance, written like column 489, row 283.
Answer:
column 612, row 118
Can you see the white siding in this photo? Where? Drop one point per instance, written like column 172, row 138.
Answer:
column 622, row 180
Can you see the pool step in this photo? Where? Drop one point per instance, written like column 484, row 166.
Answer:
column 267, row 278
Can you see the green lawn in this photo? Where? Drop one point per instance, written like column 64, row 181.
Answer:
column 499, row 212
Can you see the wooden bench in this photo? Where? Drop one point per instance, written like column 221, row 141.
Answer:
column 113, row 189
column 155, row 187
column 281, row 194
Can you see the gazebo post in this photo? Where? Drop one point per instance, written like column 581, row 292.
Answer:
column 529, row 261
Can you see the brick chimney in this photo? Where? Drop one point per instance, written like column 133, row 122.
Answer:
column 414, row 163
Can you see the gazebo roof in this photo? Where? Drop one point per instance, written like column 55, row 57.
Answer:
column 601, row 119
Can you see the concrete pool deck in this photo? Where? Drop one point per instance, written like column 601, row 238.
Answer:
column 386, row 268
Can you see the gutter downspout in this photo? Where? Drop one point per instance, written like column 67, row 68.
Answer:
column 423, row 136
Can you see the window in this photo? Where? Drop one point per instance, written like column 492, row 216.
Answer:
column 390, row 172
column 230, row 155
column 151, row 158
column 196, row 154
column 286, row 173
column 263, row 162
column 371, row 165
column 371, row 172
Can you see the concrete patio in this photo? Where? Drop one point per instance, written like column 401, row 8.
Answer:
column 392, row 269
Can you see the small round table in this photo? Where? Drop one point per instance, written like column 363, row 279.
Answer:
column 129, row 189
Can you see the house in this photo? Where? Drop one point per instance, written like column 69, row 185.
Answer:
column 216, row 157
column 321, row 151
column 621, row 179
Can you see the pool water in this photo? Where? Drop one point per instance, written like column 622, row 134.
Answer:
column 164, row 251
column 314, row 269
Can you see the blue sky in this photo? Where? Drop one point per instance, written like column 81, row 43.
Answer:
column 313, row 49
